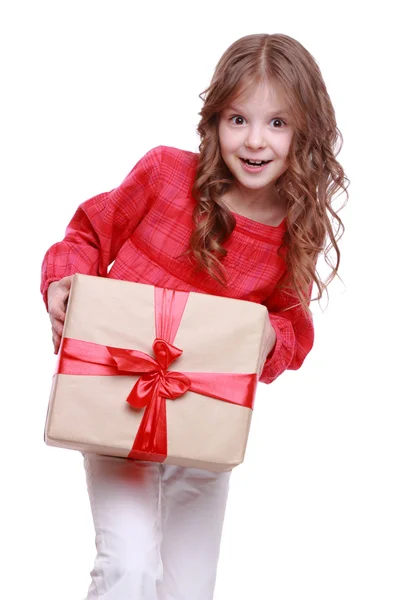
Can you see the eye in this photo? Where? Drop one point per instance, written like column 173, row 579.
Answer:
column 237, row 120
column 278, row 121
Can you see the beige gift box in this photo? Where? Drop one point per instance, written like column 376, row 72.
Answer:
column 221, row 339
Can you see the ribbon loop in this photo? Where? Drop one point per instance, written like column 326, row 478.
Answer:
column 165, row 353
column 132, row 361
column 154, row 377
column 173, row 385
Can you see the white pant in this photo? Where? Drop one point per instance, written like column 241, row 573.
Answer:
column 158, row 529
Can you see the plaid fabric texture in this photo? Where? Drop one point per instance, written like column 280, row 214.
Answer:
column 143, row 227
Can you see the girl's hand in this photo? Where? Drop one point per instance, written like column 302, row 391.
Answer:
column 57, row 298
column 271, row 339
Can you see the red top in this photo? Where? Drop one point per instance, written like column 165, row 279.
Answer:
column 144, row 225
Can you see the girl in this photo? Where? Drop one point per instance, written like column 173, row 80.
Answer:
column 247, row 217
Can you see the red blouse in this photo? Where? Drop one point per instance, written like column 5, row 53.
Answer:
column 144, row 226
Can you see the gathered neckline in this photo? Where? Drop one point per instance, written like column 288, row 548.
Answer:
column 282, row 224
column 257, row 229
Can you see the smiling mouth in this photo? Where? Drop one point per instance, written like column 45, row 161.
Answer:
column 255, row 163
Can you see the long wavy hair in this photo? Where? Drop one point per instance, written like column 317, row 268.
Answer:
column 309, row 184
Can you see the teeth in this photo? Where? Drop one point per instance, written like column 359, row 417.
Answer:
column 257, row 163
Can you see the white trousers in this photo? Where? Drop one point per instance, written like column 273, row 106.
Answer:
column 158, row 529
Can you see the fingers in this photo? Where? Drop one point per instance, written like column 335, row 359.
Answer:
column 56, row 331
column 58, row 293
column 57, row 312
column 57, row 325
column 56, row 341
column 65, row 286
column 270, row 339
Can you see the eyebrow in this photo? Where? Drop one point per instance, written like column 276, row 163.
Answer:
column 237, row 109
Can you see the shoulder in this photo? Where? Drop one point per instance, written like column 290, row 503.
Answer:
column 165, row 167
column 175, row 158
column 165, row 160
column 171, row 158
column 176, row 167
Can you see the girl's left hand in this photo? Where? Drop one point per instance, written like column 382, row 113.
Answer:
column 270, row 339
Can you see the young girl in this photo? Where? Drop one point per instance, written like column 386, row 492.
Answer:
column 247, row 217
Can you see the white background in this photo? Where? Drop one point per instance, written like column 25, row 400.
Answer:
column 87, row 88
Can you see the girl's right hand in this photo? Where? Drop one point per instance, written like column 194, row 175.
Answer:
column 57, row 298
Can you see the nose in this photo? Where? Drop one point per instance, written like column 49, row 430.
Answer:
column 256, row 138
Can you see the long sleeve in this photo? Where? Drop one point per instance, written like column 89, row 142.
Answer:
column 294, row 335
column 102, row 224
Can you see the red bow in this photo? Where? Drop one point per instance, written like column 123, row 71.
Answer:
column 155, row 379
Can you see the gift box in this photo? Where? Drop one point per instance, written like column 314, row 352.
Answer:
column 153, row 374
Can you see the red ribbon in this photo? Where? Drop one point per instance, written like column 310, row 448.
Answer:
column 156, row 383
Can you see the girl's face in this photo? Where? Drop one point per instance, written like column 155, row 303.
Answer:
column 255, row 137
